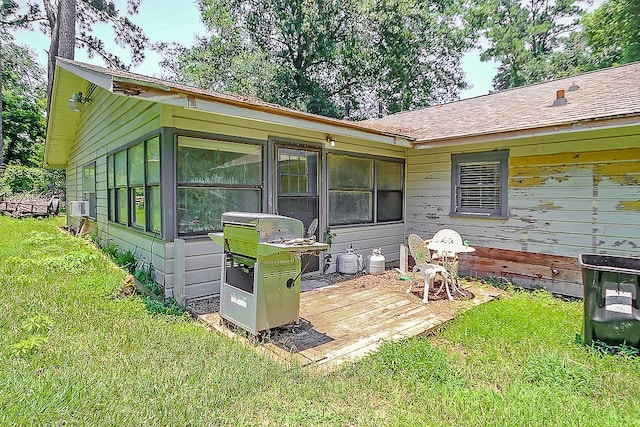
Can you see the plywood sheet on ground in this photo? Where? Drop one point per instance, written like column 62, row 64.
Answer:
column 347, row 320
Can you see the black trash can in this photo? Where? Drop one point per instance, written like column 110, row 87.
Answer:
column 611, row 287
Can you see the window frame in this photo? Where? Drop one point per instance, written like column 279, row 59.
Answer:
column 117, row 190
column 259, row 185
column 501, row 157
column 88, row 194
column 374, row 190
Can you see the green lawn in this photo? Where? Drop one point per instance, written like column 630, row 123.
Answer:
column 107, row 361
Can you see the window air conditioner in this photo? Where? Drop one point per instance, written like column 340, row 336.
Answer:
column 80, row 208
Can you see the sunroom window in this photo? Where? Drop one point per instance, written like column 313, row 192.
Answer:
column 215, row 177
column 480, row 184
column 133, row 186
column 364, row 190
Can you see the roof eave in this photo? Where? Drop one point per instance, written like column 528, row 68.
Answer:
column 575, row 126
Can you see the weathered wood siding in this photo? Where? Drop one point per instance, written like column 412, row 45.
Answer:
column 109, row 122
column 568, row 194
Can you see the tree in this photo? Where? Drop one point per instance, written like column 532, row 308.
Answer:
column 10, row 18
column 613, row 32
column 70, row 24
column 24, row 104
column 522, row 35
column 313, row 54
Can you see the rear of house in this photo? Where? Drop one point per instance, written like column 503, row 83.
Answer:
column 532, row 177
column 530, row 184
column 158, row 164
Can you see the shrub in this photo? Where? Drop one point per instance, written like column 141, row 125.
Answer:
column 19, row 179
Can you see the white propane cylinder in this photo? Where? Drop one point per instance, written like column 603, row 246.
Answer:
column 349, row 262
column 375, row 263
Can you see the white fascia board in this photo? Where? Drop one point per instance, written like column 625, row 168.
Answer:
column 222, row 108
column 530, row 133
column 99, row 79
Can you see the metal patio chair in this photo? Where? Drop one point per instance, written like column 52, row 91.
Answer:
column 449, row 260
column 426, row 268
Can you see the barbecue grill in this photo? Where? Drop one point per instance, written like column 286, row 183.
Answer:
column 260, row 286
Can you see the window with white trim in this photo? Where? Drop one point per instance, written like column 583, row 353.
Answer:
column 480, row 184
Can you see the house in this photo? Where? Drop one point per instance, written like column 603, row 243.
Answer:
column 531, row 176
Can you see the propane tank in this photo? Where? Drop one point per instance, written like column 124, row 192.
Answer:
column 375, row 262
column 349, row 262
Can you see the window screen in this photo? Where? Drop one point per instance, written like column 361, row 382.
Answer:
column 480, row 184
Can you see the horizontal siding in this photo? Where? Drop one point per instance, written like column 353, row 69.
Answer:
column 568, row 194
column 109, row 122
column 364, row 239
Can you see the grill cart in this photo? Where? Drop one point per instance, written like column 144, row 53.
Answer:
column 261, row 268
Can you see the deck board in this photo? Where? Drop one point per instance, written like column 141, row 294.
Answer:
column 340, row 323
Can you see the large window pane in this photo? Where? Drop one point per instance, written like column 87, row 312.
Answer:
column 136, row 165
column 153, row 160
column 350, row 172
column 201, row 209
column 121, row 168
column 389, row 206
column 153, row 195
column 137, row 204
column 121, row 203
column 389, row 175
column 89, row 178
column 111, row 194
column 350, row 207
column 110, row 173
column 216, row 162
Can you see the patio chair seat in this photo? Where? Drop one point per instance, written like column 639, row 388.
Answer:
column 426, row 268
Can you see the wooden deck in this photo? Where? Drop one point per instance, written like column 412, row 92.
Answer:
column 343, row 322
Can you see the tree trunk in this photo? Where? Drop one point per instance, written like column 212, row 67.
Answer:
column 63, row 38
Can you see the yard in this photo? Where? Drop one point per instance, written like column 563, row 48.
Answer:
column 76, row 352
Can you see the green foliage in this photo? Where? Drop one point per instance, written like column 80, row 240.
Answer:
column 23, row 107
column 603, row 348
column 146, row 276
column 111, row 250
column 108, row 362
column 521, row 36
column 20, row 179
column 168, row 307
column 38, row 328
column 313, row 55
column 612, row 32
column 328, row 239
column 127, row 260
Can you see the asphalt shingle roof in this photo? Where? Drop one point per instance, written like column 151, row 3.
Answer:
column 604, row 94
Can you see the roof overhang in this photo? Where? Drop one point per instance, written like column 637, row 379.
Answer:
column 562, row 128
column 71, row 77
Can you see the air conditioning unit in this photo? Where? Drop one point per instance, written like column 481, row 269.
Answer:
column 80, row 208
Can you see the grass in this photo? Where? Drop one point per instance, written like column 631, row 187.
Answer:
column 106, row 360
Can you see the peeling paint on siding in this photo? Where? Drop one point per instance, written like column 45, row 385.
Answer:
column 629, row 206
column 546, row 206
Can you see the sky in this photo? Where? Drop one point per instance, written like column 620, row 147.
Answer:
column 179, row 21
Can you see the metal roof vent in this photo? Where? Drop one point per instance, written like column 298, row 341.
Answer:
column 560, row 99
column 573, row 87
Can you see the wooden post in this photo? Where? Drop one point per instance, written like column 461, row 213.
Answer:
column 404, row 259
column 179, row 254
